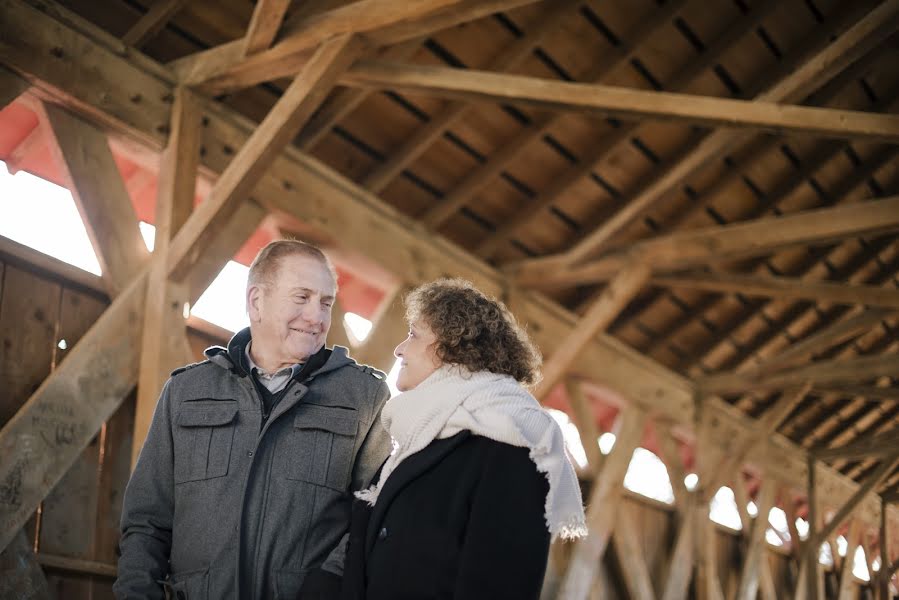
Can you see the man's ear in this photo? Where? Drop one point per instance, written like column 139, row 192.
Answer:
column 254, row 303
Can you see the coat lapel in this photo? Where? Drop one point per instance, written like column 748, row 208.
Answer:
column 407, row 471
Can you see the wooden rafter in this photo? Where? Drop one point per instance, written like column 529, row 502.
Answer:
column 345, row 100
column 264, row 25
column 871, row 483
column 152, row 22
column 823, row 339
column 477, row 179
column 437, row 125
column 879, row 445
column 687, row 249
column 598, row 153
column 278, row 128
column 614, row 298
column 227, row 67
column 768, row 286
column 619, row 102
column 823, row 373
column 868, row 392
column 869, row 33
column 327, row 200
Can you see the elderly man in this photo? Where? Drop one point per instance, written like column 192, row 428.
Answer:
column 243, row 486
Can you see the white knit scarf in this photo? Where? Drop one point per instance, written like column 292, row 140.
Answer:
column 453, row 399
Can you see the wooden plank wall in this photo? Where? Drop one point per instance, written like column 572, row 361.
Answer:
column 80, row 518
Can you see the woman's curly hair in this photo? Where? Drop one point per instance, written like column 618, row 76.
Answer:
column 474, row 330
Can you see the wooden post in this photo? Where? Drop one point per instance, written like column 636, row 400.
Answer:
column 626, row 543
column 883, row 577
column 164, row 321
column 847, row 587
column 585, row 421
column 810, row 563
column 602, row 507
column 755, row 552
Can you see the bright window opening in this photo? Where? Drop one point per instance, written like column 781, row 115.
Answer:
column 572, row 437
column 358, row 327
column 860, row 564
column 723, row 509
column 43, row 216
column 648, row 476
column 606, row 442
column 802, row 528
column 772, row 538
column 825, row 555
column 842, row 546
column 777, row 518
column 691, row 480
column 752, row 509
column 391, row 378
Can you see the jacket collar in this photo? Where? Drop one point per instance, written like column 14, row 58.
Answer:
column 234, row 357
column 407, row 471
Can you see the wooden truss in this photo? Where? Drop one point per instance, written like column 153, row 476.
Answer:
column 147, row 108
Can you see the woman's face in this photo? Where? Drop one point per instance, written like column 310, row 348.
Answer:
column 418, row 356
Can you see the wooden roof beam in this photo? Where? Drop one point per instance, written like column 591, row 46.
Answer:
column 82, row 152
column 345, row 100
column 868, row 33
column 824, row 372
column 152, row 22
column 226, row 67
column 465, row 190
column 871, row 484
column 381, row 176
column 882, row 444
column 769, row 286
column 614, row 298
column 824, row 339
column 278, row 128
column 620, row 102
column 685, row 249
column 264, row 25
column 872, row 393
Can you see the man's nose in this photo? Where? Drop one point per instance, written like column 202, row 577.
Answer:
column 398, row 351
column 313, row 313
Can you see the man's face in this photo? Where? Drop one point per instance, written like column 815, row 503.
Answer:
column 290, row 318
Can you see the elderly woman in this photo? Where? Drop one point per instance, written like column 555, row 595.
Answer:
column 478, row 482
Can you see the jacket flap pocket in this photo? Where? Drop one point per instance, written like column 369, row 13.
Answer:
column 208, row 416
column 336, row 420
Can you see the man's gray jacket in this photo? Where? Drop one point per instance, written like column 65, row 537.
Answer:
column 226, row 507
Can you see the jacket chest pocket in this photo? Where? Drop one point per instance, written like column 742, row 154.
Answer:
column 203, row 436
column 321, row 446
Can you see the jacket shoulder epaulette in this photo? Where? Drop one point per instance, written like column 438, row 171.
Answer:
column 180, row 370
column 380, row 375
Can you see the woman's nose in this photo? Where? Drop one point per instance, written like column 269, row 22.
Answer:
column 398, row 351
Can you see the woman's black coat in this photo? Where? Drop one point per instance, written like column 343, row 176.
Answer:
column 463, row 518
